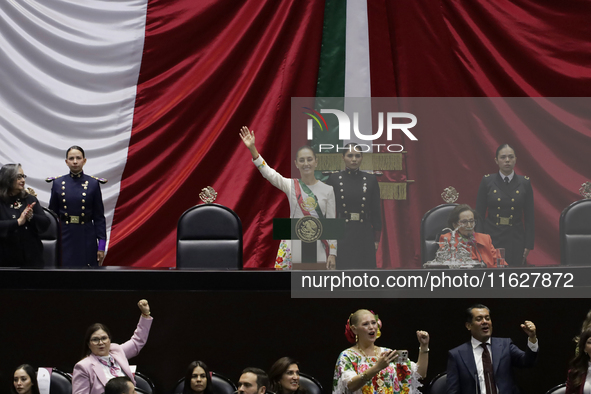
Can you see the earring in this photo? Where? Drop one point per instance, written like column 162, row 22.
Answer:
column 356, row 338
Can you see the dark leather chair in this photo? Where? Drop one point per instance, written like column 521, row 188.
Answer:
column 560, row 389
column 144, row 383
column 209, row 236
column 432, row 224
column 575, row 234
column 310, row 384
column 438, row 384
column 51, row 241
column 221, row 385
column 60, row 382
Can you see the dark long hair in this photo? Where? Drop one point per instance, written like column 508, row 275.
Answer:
column 580, row 363
column 8, row 175
column 32, row 375
column 276, row 373
column 89, row 331
column 189, row 373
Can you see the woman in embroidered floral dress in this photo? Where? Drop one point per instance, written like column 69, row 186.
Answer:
column 307, row 197
column 366, row 369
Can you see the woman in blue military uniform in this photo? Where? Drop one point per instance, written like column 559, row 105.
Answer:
column 506, row 200
column 77, row 200
column 358, row 201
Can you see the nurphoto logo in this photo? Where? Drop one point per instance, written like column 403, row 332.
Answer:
column 391, row 120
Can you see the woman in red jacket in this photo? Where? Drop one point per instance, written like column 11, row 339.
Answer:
column 463, row 219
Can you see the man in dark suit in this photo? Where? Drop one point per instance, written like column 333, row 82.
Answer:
column 253, row 381
column 470, row 369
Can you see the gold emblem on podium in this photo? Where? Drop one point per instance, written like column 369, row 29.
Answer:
column 585, row 190
column 208, row 195
column 308, row 229
column 450, row 195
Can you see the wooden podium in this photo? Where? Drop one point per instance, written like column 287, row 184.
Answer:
column 308, row 230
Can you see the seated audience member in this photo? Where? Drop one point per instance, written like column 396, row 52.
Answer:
column 463, row 219
column 578, row 379
column 120, row 385
column 104, row 360
column 284, row 376
column 367, row 368
column 584, row 327
column 253, row 381
column 198, row 379
column 472, row 363
column 25, row 380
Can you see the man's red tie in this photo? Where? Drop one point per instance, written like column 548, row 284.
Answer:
column 489, row 376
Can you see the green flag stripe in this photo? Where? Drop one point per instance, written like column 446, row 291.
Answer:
column 331, row 71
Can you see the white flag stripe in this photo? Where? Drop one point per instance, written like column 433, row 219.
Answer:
column 357, row 71
column 68, row 76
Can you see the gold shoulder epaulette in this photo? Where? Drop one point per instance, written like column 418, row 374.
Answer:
column 101, row 180
column 487, row 175
column 52, row 178
column 32, row 191
column 526, row 177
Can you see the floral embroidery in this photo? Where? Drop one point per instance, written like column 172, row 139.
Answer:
column 283, row 259
column 402, row 371
column 394, row 379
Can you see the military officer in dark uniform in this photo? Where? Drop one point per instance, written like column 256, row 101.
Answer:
column 358, row 201
column 77, row 200
column 507, row 200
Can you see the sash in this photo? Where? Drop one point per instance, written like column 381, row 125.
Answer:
column 306, row 206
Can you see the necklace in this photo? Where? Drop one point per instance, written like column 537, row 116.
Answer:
column 375, row 350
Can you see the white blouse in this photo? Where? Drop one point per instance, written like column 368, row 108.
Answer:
column 326, row 200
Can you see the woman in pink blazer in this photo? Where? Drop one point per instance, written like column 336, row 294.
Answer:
column 105, row 360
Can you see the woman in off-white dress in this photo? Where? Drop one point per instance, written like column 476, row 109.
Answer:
column 307, row 197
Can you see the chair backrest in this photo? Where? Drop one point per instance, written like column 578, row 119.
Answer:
column 432, row 224
column 438, row 384
column 209, row 236
column 50, row 239
column 221, row 385
column 60, row 383
column 575, row 233
column 144, row 383
column 311, row 384
column 560, row 389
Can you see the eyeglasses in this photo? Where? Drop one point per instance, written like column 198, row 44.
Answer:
column 21, row 176
column 96, row 340
column 465, row 222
